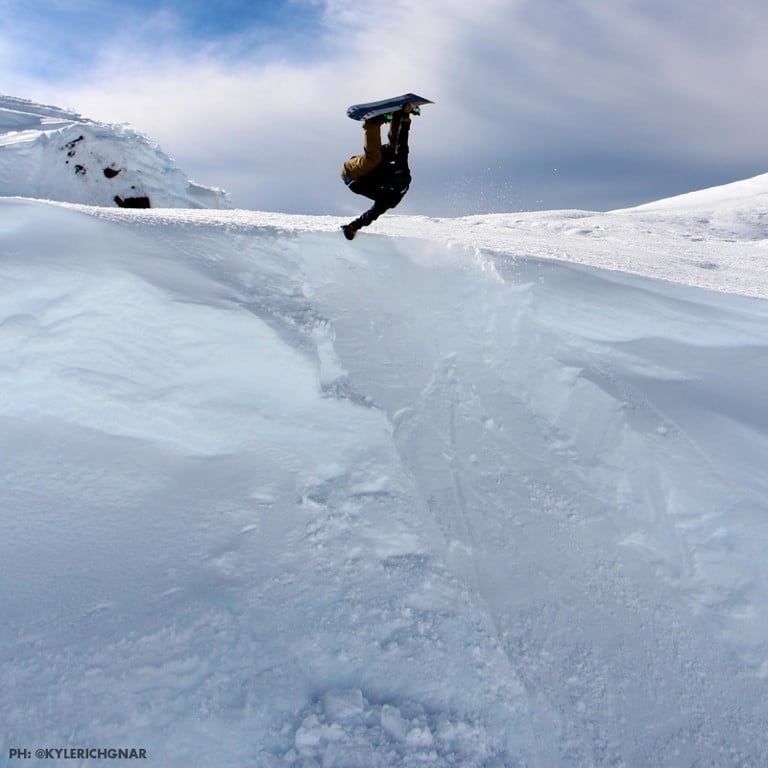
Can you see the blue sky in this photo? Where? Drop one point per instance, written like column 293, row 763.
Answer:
column 539, row 103
column 56, row 34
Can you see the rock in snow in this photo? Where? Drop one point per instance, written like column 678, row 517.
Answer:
column 56, row 154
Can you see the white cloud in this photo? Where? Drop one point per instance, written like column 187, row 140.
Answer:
column 594, row 89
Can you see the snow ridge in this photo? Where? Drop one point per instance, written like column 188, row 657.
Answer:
column 275, row 499
column 56, row 154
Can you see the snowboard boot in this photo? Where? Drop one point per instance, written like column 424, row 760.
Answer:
column 404, row 113
column 378, row 120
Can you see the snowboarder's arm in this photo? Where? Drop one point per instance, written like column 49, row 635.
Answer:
column 370, row 215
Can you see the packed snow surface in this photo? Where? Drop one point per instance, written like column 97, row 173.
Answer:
column 459, row 493
column 57, row 154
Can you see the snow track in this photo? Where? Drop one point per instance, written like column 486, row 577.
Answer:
column 275, row 499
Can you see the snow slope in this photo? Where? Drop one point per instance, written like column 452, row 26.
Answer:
column 271, row 498
column 715, row 238
column 56, row 154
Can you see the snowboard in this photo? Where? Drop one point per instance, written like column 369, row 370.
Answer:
column 385, row 106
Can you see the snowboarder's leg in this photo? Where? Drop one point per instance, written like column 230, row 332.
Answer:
column 394, row 129
column 401, row 144
column 360, row 165
column 388, row 150
column 396, row 148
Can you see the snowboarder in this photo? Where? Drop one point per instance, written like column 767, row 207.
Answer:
column 381, row 173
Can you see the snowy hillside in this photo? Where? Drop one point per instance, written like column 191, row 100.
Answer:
column 714, row 238
column 449, row 495
column 55, row 154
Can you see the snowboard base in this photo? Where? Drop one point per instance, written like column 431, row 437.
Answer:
column 386, row 106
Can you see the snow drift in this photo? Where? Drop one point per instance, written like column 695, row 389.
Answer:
column 56, row 154
column 271, row 498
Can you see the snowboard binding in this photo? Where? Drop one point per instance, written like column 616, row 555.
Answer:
column 390, row 116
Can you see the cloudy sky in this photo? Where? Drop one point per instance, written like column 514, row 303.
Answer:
column 540, row 104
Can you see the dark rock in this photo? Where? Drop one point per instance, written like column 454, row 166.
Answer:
column 132, row 202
